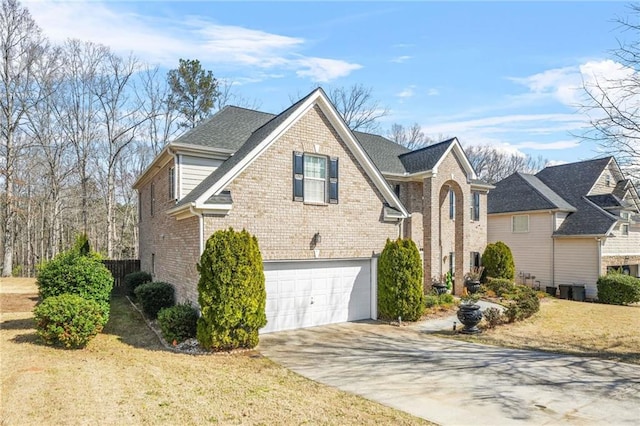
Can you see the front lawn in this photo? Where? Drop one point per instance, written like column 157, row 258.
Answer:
column 590, row 329
column 125, row 377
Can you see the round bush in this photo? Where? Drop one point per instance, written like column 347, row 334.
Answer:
column 618, row 289
column 400, row 286
column 500, row 286
column 178, row 323
column 497, row 260
column 155, row 296
column 68, row 320
column 231, row 291
column 135, row 279
column 82, row 275
column 523, row 304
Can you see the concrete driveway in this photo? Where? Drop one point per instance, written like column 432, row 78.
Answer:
column 458, row 383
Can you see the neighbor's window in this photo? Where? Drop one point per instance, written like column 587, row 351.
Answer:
column 475, row 259
column 315, row 178
column 520, row 223
column 452, row 204
column 624, row 229
column 475, row 206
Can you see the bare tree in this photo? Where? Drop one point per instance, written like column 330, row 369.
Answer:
column 226, row 96
column 613, row 103
column 493, row 165
column 153, row 94
column 412, row 137
column 78, row 110
column 357, row 107
column 121, row 115
column 21, row 42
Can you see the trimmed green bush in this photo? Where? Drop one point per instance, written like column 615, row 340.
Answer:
column 135, row 279
column 523, row 304
column 492, row 317
column 497, row 260
column 618, row 289
column 68, row 320
column 400, row 286
column 178, row 323
column 73, row 273
column 155, row 296
column 231, row 291
column 500, row 286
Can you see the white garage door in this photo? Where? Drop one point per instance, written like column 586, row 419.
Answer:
column 306, row 294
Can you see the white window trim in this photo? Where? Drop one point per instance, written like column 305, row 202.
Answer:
column 513, row 223
column 325, row 180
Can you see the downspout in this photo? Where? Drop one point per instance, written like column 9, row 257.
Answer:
column 553, row 250
column 200, row 230
column 599, row 242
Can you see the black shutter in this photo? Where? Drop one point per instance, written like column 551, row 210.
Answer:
column 298, row 177
column 333, row 181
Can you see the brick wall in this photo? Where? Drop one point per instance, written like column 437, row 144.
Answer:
column 263, row 201
column 174, row 243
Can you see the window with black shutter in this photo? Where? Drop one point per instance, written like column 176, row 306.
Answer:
column 315, row 178
column 333, row 181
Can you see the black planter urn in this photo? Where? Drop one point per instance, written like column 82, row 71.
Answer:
column 439, row 288
column 472, row 286
column 470, row 316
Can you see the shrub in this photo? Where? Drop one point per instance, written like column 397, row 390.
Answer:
column 178, row 323
column 73, row 273
column 446, row 299
column 493, row 317
column 498, row 262
column 155, row 296
column 68, row 320
column 500, row 286
column 524, row 303
column 431, row 300
column 231, row 291
column 135, row 279
column 400, row 286
column 618, row 289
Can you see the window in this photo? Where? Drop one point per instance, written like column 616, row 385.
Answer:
column 607, row 180
column 475, row 259
column 624, row 229
column 153, row 200
column 396, row 189
column 153, row 263
column 452, row 204
column 452, row 262
column 172, row 183
column 315, row 178
column 520, row 223
column 475, row 206
column 625, row 215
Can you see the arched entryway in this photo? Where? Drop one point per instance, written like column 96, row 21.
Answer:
column 450, row 239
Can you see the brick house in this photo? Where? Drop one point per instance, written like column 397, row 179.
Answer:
column 568, row 224
column 321, row 199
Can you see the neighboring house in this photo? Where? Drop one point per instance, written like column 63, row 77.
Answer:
column 568, row 224
column 322, row 201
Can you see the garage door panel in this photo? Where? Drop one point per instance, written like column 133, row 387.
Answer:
column 340, row 291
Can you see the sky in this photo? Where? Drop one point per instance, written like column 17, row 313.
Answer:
column 508, row 74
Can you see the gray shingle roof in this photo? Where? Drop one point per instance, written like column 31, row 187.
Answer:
column 253, row 141
column 383, row 152
column 228, row 129
column 425, row 158
column 522, row 192
column 606, row 201
column 562, row 187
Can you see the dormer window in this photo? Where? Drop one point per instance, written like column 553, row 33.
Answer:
column 607, row 180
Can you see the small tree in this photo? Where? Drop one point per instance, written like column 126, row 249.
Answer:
column 193, row 91
column 231, row 291
column 498, row 262
column 400, row 291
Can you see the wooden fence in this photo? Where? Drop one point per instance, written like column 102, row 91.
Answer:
column 120, row 268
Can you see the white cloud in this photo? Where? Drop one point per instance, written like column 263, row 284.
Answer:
column 163, row 41
column 407, row 92
column 433, row 92
column 401, row 59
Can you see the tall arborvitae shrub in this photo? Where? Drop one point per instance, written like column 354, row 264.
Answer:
column 400, row 286
column 498, row 262
column 231, row 291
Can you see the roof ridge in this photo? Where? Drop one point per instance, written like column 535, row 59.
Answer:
column 540, row 193
column 599, row 209
column 578, row 162
column 449, row 141
column 246, row 109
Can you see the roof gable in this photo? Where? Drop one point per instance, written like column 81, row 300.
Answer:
column 262, row 138
column 523, row 192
